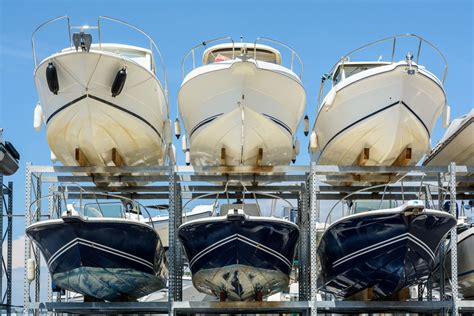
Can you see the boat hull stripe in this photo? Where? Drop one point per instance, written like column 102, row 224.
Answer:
column 385, row 243
column 107, row 103
column 244, row 240
column 375, row 113
column 203, row 122
column 84, row 242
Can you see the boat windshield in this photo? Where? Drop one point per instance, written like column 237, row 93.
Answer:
column 226, row 52
column 367, row 206
column 349, row 69
column 113, row 210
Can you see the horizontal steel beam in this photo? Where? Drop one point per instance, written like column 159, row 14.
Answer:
column 319, row 169
column 108, row 307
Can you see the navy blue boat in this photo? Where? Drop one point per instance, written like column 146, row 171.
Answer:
column 104, row 258
column 238, row 256
column 385, row 250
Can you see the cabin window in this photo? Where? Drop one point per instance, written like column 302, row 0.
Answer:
column 224, row 54
column 352, row 69
column 366, row 206
column 114, row 210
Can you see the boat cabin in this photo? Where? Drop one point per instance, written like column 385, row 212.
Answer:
column 141, row 56
column 367, row 206
column 229, row 51
column 251, row 209
column 348, row 69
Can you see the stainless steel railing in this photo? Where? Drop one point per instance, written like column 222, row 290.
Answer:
column 293, row 52
column 192, row 52
column 421, row 41
column 153, row 46
column 62, row 196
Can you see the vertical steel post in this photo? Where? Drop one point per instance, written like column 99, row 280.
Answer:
column 179, row 254
column 301, row 291
column 9, row 244
column 28, row 219
column 172, row 237
column 37, row 251
column 442, row 248
column 51, row 190
column 453, row 239
column 313, row 220
column 1, row 236
column 304, row 289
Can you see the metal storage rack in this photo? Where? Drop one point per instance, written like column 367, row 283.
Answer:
column 300, row 183
column 6, row 210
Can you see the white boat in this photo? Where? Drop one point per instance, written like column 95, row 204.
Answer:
column 102, row 103
column 242, row 107
column 456, row 145
column 378, row 113
column 161, row 222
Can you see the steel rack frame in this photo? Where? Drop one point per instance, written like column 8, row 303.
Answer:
column 6, row 205
column 304, row 184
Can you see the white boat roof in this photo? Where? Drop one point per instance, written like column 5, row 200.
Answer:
column 455, row 125
column 111, row 47
column 227, row 47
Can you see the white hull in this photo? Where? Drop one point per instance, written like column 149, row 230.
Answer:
column 457, row 145
column 465, row 263
column 383, row 109
column 242, row 107
column 84, row 115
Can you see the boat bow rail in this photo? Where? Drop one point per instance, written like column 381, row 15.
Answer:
column 347, row 57
column 154, row 50
column 192, row 53
column 80, row 208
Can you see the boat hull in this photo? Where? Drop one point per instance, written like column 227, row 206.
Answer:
column 239, row 257
column 458, row 147
column 465, row 263
column 84, row 114
column 385, row 251
column 383, row 109
column 107, row 260
column 242, row 107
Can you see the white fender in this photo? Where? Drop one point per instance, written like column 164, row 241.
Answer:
column 329, row 100
column 30, row 269
column 297, row 147
column 53, row 157
column 177, row 128
column 446, row 116
column 188, row 157
column 306, row 125
column 184, row 144
column 313, row 142
column 38, row 117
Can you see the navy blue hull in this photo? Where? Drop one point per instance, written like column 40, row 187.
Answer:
column 385, row 252
column 108, row 260
column 239, row 257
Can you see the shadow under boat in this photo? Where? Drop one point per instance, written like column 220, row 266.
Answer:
column 104, row 251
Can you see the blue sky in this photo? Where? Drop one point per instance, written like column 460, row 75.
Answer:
column 321, row 31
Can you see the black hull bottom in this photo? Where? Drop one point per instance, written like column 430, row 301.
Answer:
column 105, row 260
column 239, row 258
column 385, row 252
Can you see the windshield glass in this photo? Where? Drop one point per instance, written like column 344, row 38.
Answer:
column 114, row 210
column 223, row 54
